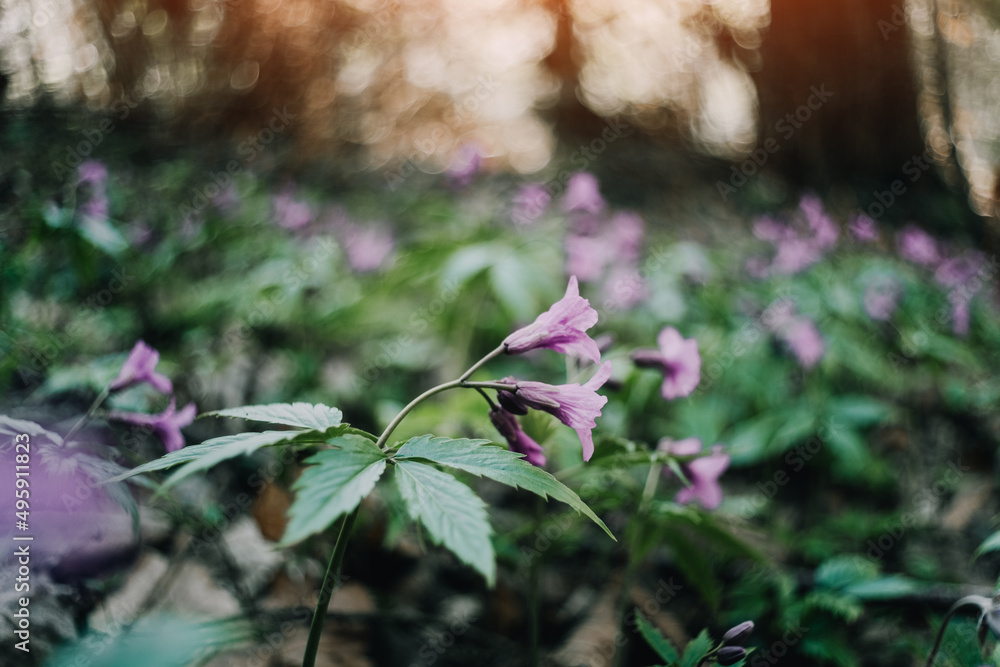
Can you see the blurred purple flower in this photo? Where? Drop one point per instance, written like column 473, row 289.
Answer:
column 518, row 441
column 863, row 228
column 918, row 246
column 704, row 473
column 677, row 358
column 960, row 269
column 685, row 447
column 794, row 255
column 960, row 316
column 166, row 425
column 583, row 194
column 289, row 212
column 465, row 165
column 367, row 248
column 586, row 256
column 824, row 229
column 767, row 228
column 576, row 406
column 882, row 298
column 92, row 172
column 624, row 288
column 628, row 230
column 561, row 328
column 141, row 367
column 804, row 340
column 530, row 203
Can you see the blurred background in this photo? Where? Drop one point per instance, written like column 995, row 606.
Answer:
column 700, row 84
column 349, row 201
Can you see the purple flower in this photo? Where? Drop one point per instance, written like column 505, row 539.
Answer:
column 677, row 358
column 289, row 212
column 882, row 298
column 367, row 248
column 918, row 246
column 960, row 269
column 465, row 166
column 586, row 256
column 530, row 203
column 960, row 316
column 767, row 228
column 583, row 194
column 685, row 447
column 141, row 367
column 863, row 228
column 804, row 340
column 629, row 231
column 730, row 655
column 166, row 425
column 824, row 230
column 624, row 288
column 704, row 473
column 518, row 441
column 561, row 328
column 794, row 255
column 92, row 172
column 576, row 406
column 738, row 634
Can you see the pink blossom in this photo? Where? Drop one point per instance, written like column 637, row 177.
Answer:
column 960, row 316
column 624, row 288
column 166, row 425
column 561, row 328
column 583, row 194
column 918, row 246
column 628, row 231
column 702, row 472
column 824, row 230
column 92, row 172
column 530, row 203
column 960, row 269
column 518, row 441
column 677, row 358
column 863, row 228
column 141, row 367
column 586, row 256
column 367, row 247
column 465, row 166
column 576, row 406
column 804, row 340
column 289, row 212
column 882, row 298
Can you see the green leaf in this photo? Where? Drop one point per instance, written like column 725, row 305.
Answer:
column 304, row 415
column 696, row 649
column 691, row 561
column 749, row 445
column 884, row 588
column 857, row 411
column 482, row 459
column 216, row 450
column 102, row 234
column 660, row 644
column 334, row 484
column 849, row 450
column 990, row 544
column 453, row 515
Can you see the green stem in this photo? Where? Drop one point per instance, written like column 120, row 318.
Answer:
column 430, row 392
column 90, row 413
column 331, row 580
column 648, row 492
column 978, row 600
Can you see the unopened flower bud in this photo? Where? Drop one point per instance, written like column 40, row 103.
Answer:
column 730, row 655
column 737, row 635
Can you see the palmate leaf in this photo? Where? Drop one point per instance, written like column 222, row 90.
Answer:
column 454, row 516
column 304, row 415
column 480, row 458
column 696, row 649
column 333, row 485
column 216, row 450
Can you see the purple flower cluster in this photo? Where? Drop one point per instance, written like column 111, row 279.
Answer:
column 958, row 274
column 796, row 246
column 562, row 328
column 605, row 248
column 289, row 212
column 139, row 367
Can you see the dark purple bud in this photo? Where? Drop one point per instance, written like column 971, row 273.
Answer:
column 738, row 635
column 730, row 655
column 508, row 401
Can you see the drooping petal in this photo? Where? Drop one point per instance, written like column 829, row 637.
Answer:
column 518, row 441
column 704, row 473
column 677, row 358
column 167, row 425
column 561, row 328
